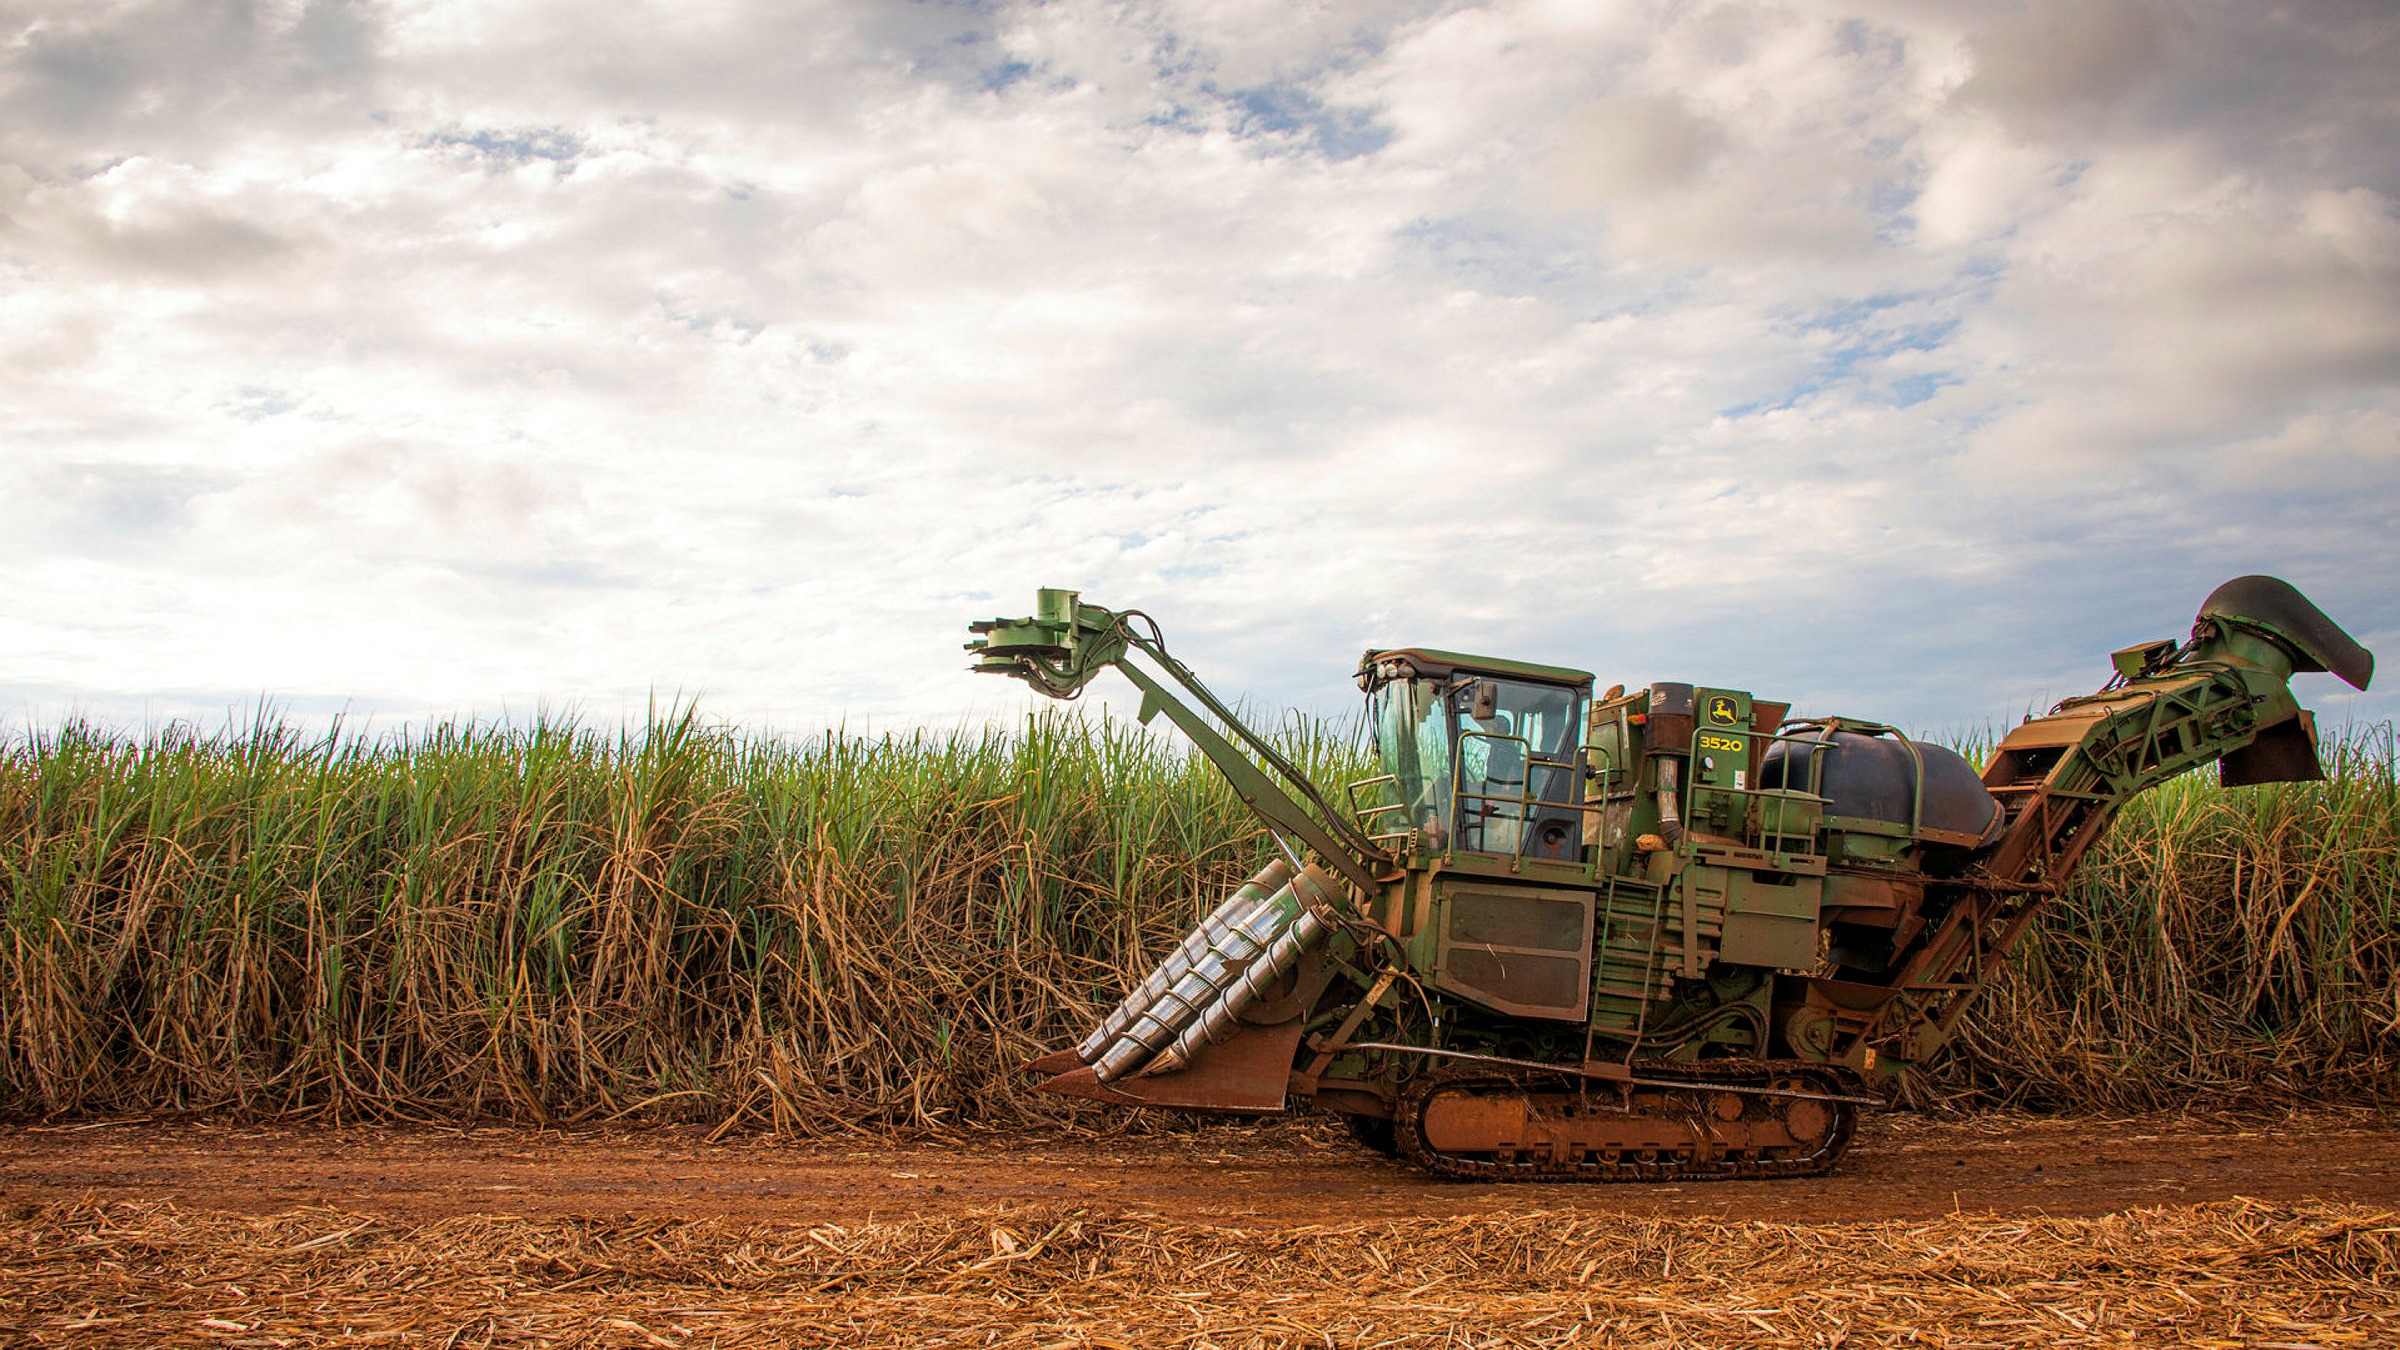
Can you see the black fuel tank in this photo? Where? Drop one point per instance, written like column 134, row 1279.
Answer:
column 1875, row 778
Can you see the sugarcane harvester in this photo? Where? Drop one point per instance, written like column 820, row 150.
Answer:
column 1658, row 934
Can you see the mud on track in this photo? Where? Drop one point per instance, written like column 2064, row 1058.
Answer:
column 1989, row 1232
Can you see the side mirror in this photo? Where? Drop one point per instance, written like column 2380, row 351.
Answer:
column 1487, row 700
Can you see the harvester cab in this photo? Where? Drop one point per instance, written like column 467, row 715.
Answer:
column 1659, row 934
column 1478, row 752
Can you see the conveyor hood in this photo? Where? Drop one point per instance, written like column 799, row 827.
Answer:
column 2277, row 608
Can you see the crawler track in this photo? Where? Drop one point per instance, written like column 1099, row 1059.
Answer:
column 1684, row 1122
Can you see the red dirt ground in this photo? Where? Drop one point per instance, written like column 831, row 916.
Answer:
column 1286, row 1173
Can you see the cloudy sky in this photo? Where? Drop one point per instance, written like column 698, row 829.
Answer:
column 1899, row 359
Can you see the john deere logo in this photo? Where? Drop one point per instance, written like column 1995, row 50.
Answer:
column 1721, row 711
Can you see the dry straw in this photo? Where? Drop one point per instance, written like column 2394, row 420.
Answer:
column 2234, row 1273
column 549, row 923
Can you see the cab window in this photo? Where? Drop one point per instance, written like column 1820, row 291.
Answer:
column 1412, row 737
column 1516, row 745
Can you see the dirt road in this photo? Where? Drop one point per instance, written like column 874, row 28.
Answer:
column 1294, row 1173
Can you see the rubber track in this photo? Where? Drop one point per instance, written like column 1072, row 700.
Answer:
column 1410, row 1136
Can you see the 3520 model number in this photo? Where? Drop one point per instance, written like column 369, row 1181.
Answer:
column 1708, row 742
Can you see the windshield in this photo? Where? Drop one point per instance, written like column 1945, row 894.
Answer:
column 1496, row 783
column 1423, row 725
column 1542, row 715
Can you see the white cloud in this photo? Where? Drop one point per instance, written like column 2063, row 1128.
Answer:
column 1904, row 358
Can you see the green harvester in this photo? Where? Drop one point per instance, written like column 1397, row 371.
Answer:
column 1650, row 934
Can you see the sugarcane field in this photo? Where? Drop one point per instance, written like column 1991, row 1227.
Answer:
column 739, row 1087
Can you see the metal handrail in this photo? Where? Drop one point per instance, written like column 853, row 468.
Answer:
column 1365, row 815
column 1601, row 751
column 1826, row 726
column 1816, row 747
column 1458, row 774
column 1525, row 799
